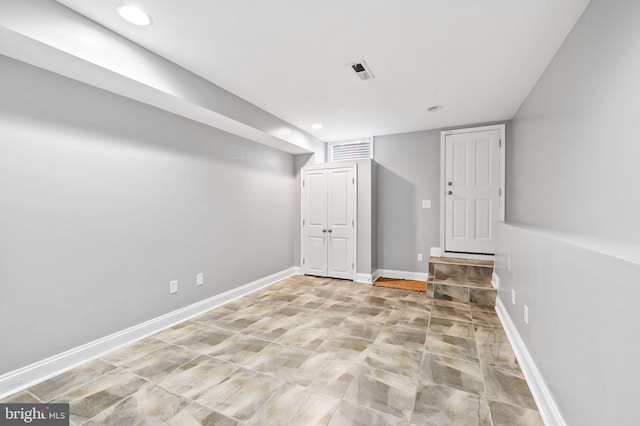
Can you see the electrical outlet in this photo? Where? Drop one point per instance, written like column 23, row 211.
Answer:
column 513, row 296
column 199, row 279
column 173, row 287
column 419, row 257
column 526, row 314
column 426, row 204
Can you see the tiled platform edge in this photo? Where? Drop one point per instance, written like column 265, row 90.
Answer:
column 461, row 280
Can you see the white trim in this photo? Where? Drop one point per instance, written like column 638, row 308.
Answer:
column 364, row 278
column 443, row 135
column 37, row 372
column 375, row 275
column 436, row 251
column 404, row 275
column 545, row 402
column 297, row 270
column 495, row 280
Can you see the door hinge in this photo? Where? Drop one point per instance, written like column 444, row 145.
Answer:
column 500, row 143
column 303, row 222
column 353, row 223
column 303, row 260
column 303, row 184
column 352, row 266
column 353, row 181
column 499, row 192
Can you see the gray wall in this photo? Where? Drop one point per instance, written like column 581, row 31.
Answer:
column 104, row 200
column 573, row 168
column 574, row 158
column 583, row 329
column 408, row 172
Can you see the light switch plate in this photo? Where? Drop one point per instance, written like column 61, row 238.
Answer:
column 199, row 279
column 173, row 287
column 426, row 204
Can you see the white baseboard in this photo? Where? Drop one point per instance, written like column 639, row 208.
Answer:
column 30, row 375
column 364, row 278
column 436, row 251
column 375, row 275
column 404, row 275
column 297, row 270
column 546, row 405
column 495, row 280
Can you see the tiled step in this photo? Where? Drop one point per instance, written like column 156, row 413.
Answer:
column 461, row 280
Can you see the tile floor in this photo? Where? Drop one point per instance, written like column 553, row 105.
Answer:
column 308, row 351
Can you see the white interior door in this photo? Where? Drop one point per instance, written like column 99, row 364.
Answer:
column 328, row 222
column 341, row 223
column 472, row 191
column 314, row 222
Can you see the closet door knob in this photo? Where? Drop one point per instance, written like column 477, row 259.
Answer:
column 324, row 230
column 330, row 230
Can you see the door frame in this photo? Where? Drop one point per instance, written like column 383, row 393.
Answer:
column 303, row 209
column 443, row 187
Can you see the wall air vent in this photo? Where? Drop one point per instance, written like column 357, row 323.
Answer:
column 362, row 70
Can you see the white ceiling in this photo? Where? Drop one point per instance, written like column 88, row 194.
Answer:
column 478, row 58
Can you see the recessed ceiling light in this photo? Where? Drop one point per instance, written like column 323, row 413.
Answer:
column 316, row 126
column 435, row 108
column 133, row 15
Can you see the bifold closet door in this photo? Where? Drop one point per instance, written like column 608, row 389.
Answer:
column 328, row 223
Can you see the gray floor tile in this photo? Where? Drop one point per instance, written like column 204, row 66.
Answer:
column 149, row 405
column 439, row 405
column 196, row 377
column 329, row 375
column 509, row 415
column 158, row 364
column 308, row 350
column 383, row 391
column 94, row 397
column 278, row 360
column 241, row 394
column 352, row 414
column 296, row 405
column 409, row 338
column 52, row 388
column 508, row 386
column 196, row 415
column 452, row 346
column 239, row 348
column 394, row 359
column 452, row 372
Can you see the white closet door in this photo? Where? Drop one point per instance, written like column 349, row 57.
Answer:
column 314, row 229
column 328, row 222
column 341, row 183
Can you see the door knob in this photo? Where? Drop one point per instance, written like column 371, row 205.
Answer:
column 330, row 230
column 449, row 192
column 324, row 230
column 450, row 183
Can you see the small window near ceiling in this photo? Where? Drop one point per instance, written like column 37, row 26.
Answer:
column 352, row 150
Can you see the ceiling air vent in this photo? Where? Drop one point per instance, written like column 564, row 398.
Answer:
column 362, row 70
